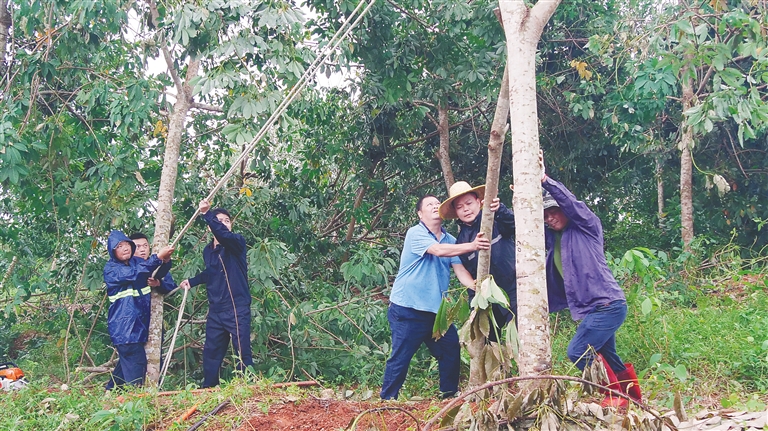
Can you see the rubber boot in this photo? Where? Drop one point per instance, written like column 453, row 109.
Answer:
column 629, row 384
column 613, row 383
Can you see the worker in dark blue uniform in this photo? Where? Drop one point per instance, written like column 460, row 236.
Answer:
column 465, row 203
column 229, row 297
column 128, row 319
column 162, row 285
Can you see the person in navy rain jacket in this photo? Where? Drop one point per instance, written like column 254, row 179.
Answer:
column 129, row 305
column 229, row 297
column 165, row 284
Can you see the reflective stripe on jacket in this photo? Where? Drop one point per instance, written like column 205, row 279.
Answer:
column 128, row 293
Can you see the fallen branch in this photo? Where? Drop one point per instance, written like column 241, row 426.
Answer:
column 489, row 385
column 97, row 370
column 299, row 384
column 90, row 331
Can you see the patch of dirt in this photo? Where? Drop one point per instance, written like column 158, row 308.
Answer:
column 315, row 414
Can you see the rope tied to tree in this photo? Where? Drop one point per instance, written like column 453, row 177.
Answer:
column 341, row 34
column 334, row 43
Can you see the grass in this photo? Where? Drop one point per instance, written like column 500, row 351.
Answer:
column 42, row 407
column 706, row 340
column 716, row 351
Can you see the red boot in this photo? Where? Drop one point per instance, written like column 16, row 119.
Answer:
column 629, row 384
column 612, row 400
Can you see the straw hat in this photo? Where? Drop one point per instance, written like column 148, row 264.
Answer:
column 458, row 189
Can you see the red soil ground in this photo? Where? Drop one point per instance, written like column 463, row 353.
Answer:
column 314, row 414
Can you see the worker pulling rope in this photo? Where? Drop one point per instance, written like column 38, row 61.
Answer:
column 333, row 44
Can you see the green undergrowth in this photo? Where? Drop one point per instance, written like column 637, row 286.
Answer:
column 41, row 406
column 696, row 326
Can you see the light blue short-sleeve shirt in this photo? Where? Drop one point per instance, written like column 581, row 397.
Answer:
column 422, row 278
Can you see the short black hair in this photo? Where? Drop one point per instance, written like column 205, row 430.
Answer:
column 217, row 211
column 138, row 235
column 418, row 204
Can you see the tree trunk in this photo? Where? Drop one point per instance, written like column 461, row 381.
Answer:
column 443, row 154
column 164, row 211
column 523, row 27
column 476, row 348
column 5, row 31
column 686, row 165
column 660, row 190
column 352, row 220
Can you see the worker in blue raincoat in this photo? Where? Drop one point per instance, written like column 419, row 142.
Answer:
column 128, row 319
column 579, row 279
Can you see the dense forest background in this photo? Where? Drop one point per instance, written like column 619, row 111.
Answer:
column 631, row 94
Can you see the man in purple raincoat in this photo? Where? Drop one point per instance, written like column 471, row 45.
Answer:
column 578, row 278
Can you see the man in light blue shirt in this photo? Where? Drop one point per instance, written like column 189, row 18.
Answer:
column 428, row 254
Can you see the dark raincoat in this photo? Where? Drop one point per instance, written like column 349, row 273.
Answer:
column 129, row 299
column 226, row 269
column 502, row 250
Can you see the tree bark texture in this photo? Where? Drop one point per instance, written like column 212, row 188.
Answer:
column 686, row 165
column 443, row 153
column 477, row 371
column 5, row 31
column 523, row 27
column 164, row 213
column 660, row 189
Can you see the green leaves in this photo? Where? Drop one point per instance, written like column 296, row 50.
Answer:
column 368, row 266
column 448, row 313
column 12, row 157
column 489, row 293
column 441, row 325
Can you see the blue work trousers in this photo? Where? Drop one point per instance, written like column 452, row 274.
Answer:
column 409, row 329
column 131, row 366
column 598, row 330
column 220, row 328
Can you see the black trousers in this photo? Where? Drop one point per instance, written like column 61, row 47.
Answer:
column 131, row 366
column 221, row 327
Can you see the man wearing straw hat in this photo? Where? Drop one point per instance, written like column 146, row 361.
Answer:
column 465, row 204
column 428, row 254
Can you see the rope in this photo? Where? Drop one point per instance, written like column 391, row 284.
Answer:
column 173, row 340
column 334, row 43
column 340, row 35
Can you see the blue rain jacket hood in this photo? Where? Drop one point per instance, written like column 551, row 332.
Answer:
column 128, row 293
column 587, row 282
column 226, row 269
